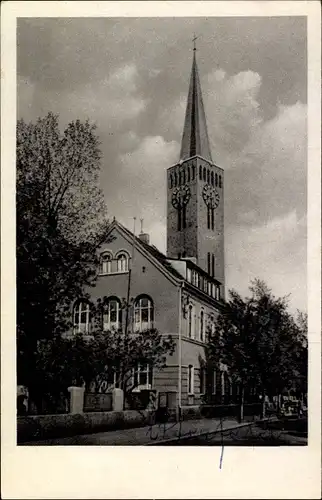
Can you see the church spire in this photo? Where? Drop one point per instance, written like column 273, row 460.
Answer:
column 195, row 136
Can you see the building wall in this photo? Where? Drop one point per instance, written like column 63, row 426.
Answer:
column 186, row 240
column 196, row 240
column 148, row 279
column 145, row 279
column 209, row 240
column 193, row 350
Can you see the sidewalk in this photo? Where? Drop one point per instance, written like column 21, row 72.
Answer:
column 146, row 436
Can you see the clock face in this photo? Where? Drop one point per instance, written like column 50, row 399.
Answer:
column 181, row 196
column 211, row 196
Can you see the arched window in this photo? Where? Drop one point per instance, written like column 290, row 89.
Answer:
column 220, row 181
column 212, row 178
column 204, row 174
column 143, row 313
column 105, row 263
column 208, row 176
column 175, row 179
column 112, row 314
column 82, row 317
column 122, row 263
column 202, row 326
column 193, row 172
column 216, row 180
column 200, row 172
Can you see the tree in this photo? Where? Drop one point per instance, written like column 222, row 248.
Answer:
column 259, row 341
column 61, row 221
column 97, row 358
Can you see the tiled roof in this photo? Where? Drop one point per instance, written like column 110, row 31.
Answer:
column 160, row 257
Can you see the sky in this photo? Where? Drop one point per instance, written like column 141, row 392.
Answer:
column 130, row 76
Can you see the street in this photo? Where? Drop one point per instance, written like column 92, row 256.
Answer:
column 278, row 433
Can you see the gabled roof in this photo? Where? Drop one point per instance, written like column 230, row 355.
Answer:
column 195, row 139
column 153, row 252
column 163, row 263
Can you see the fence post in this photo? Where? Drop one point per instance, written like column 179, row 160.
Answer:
column 76, row 399
column 241, row 406
column 117, row 399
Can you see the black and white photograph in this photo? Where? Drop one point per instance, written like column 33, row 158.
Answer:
column 161, row 232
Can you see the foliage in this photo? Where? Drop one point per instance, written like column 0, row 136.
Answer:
column 260, row 341
column 61, row 220
column 81, row 360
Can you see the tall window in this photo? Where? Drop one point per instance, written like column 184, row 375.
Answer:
column 200, row 172
column 214, row 384
column 143, row 314
column 191, row 322
column 112, row 314
column 182, row 217
column 220, row 181
column 212, row 218
column 190, row 379
column 82, row 317
column 208, row 217
column 171, row 181
column 143, row 376
column 212, row 178
column 208, row 256
column 212, row 265
column 216, row 180
column 202, row 374
column 105, row 263
column 204, row 174
column 122, row 263
column 202, row 326
column 193, row 172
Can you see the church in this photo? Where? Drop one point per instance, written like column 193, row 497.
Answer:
column 180, row 293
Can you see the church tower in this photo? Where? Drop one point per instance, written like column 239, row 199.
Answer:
column 195, row 193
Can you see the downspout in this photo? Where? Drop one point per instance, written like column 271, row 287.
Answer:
column 179, row 351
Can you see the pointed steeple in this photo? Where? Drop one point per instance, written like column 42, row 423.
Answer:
column 195, row 135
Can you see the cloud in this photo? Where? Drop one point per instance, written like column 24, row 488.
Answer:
column 254, row 89
column 275, row 252
column 265, row 181
column 142, row 173
column 233, row 110
column 109, row 102
column 268, row 176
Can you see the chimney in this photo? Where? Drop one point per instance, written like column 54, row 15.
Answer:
column 145, row 238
